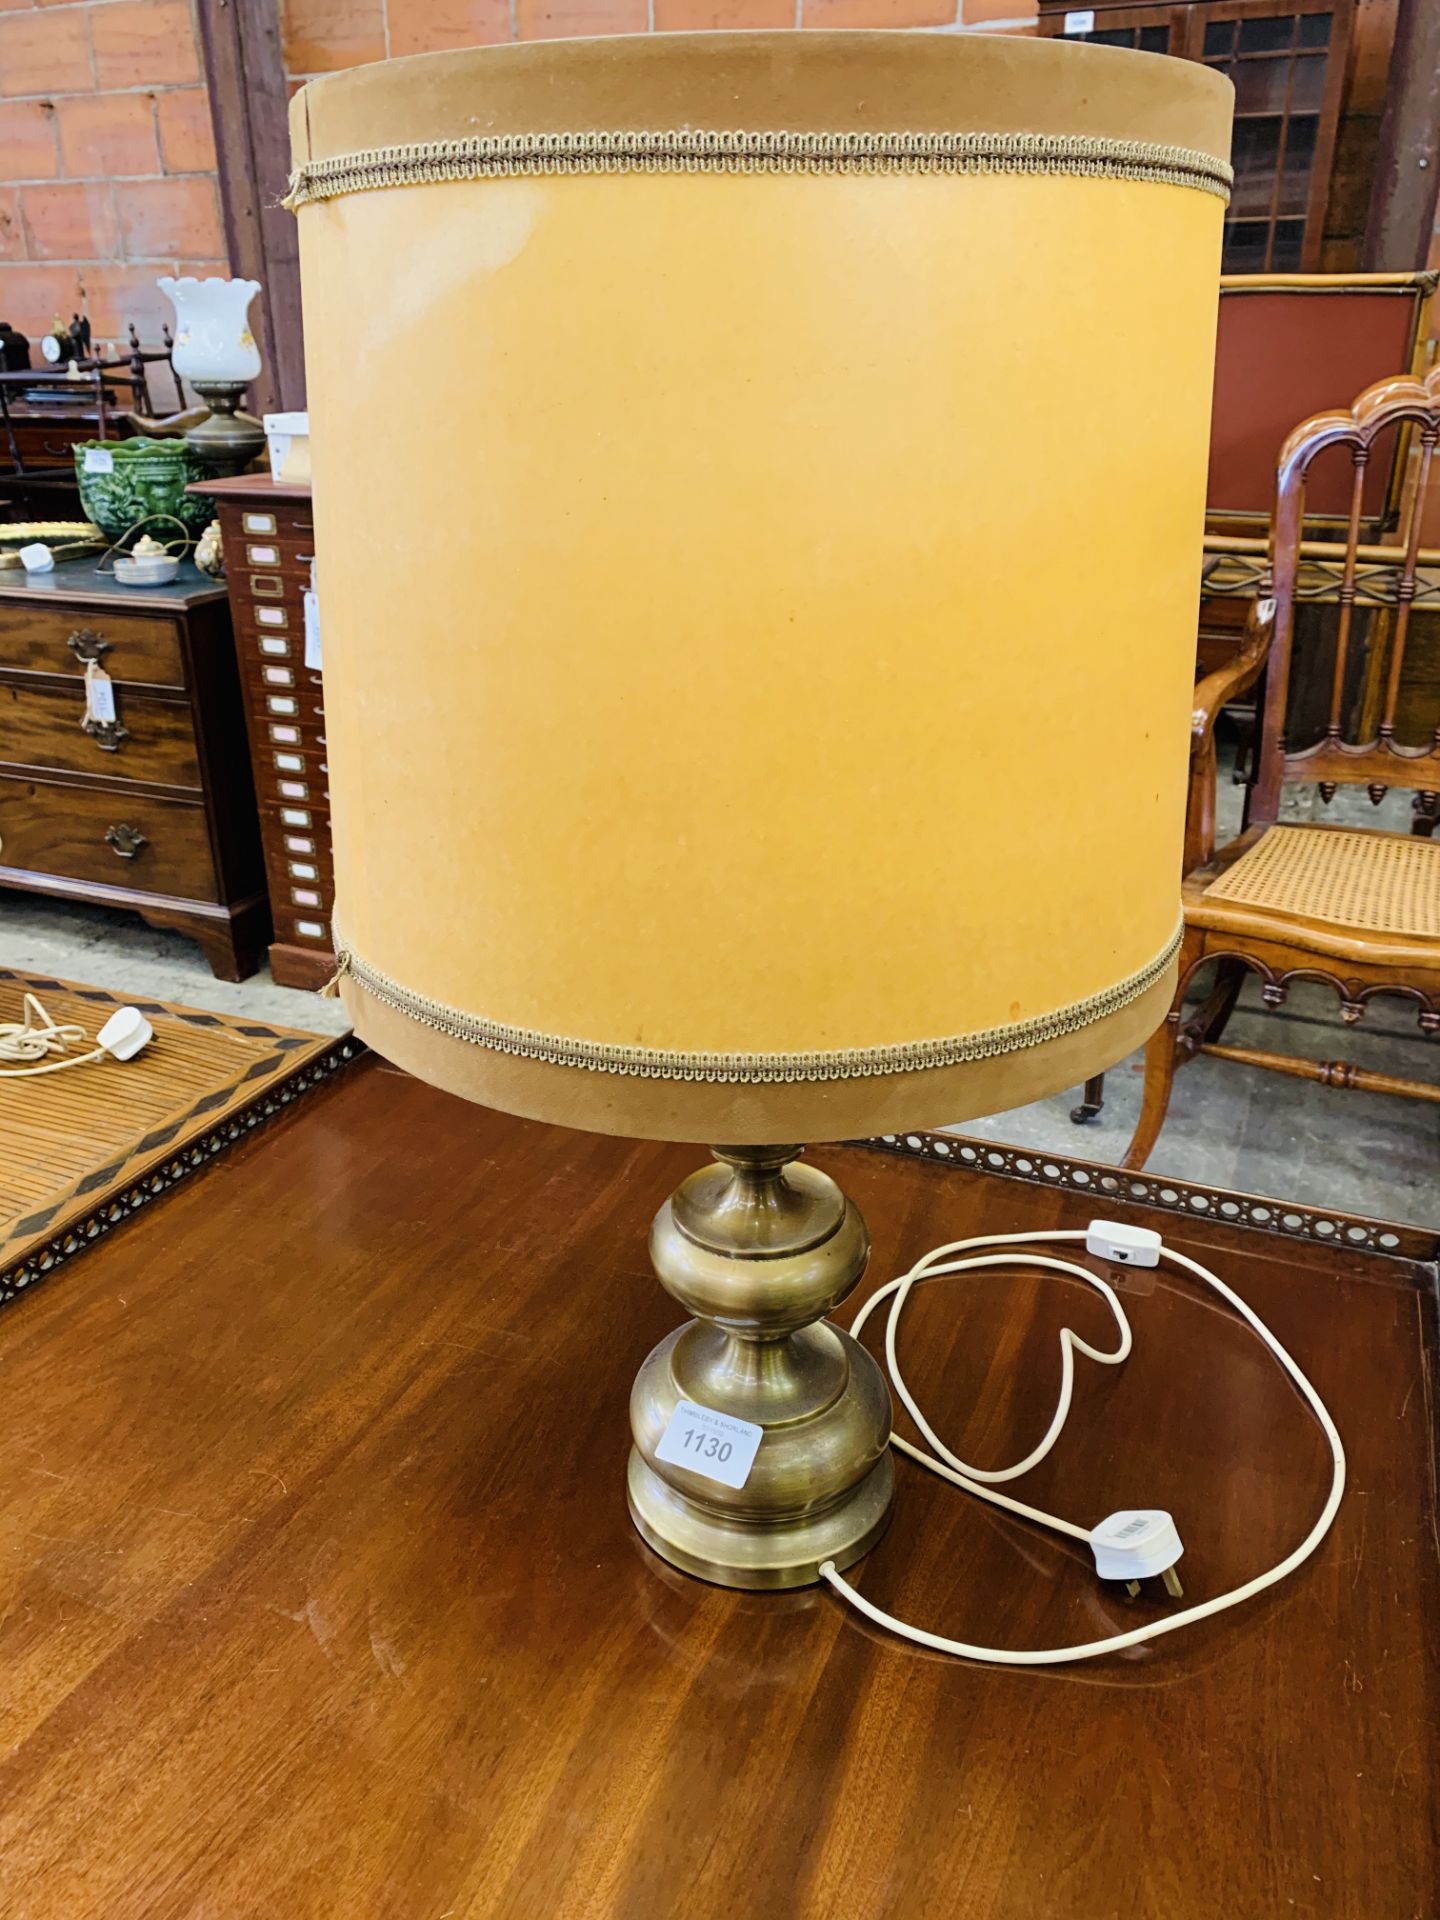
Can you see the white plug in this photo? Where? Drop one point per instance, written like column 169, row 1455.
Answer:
column 125, row 1033
column 1132, row 1246
column 1135, row 1544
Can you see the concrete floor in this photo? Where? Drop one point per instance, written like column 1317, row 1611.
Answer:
column 1228, row 1126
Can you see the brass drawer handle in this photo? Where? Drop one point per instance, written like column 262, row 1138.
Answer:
column 126, row 840
column 87, row 645
column 107, row 734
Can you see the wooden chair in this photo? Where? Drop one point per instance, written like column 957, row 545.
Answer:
column 1356, row 908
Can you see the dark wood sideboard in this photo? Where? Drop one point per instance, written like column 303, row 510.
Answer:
column 269, row 543
column 156, row 813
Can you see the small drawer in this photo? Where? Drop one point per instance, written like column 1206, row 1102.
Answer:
column 130, row 647
column 306, row 927
column 119, row 839
column 151, row 739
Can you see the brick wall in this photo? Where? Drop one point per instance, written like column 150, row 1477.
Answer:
column 320, row 36
column 107, row 165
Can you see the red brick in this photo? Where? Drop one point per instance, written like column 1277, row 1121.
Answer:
column 45, row 53
column 144, row 43
column 567, row 19
column 116, row 295
column 977, row 13
column 187, row 138
column 880, row 13
column 31, row 297
column 425, row 26
column 12, row 231
column 27, row 140
column 102, row 135
column 160, row 219
column 320, row 35
column 699, row 16
column 74, row 221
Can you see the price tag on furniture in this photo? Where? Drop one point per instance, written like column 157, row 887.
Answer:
column 714, row 1444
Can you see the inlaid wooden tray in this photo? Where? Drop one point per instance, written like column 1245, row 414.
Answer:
column 81, row 1151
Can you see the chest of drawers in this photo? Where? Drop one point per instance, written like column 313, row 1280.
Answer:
column 269, row 543
column 156, row 811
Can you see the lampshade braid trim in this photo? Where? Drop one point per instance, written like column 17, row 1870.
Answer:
column 750, row 1069
column 497, row 156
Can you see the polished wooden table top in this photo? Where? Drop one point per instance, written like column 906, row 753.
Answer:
column 319, row 1598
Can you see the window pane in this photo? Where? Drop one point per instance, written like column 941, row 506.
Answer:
column 1255, row 154
column 1154, row 39
column 1307, row 90
column 1299, row 158
column 1289, row 242
column 1245, row 244
column 1314, row 29
column 1267, row 36
column 1261, row 85
column 1219, row 37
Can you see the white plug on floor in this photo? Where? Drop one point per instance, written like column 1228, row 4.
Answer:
column 125, row 1033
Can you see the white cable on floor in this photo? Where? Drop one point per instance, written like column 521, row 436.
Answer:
column 126, row 1033
column 938, row 1264
column 37, row 1036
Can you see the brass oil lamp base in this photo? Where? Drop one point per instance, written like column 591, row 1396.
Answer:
column 758, row 1248
column 226, row 441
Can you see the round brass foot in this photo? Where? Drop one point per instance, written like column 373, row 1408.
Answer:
column 759, row 1249
column 737, row 1553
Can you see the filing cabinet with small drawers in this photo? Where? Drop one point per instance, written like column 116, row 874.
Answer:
column 268, row 537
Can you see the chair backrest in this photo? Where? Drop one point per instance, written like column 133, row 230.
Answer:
column 1287, row 345
column 1368, row 675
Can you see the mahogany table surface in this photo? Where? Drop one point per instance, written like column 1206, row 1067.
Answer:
column 319, row 1597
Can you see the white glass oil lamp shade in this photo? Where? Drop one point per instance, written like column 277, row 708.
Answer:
column 216, row 352
column 213, row 340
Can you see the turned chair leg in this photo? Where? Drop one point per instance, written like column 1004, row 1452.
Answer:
column 1091, row 1100
column 1161, row 1059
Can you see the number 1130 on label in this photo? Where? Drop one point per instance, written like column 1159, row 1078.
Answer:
column 716, row 1445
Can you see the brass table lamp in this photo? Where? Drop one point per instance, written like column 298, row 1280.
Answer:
column 740, row 725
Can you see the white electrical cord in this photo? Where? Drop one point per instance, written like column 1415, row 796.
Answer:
column 939, row 1263
column 39, row 1035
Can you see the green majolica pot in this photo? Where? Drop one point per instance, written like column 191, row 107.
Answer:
column 142, row 481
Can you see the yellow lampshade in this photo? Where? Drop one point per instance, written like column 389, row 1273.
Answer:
column 758, row 491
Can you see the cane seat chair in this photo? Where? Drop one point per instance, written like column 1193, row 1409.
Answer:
column 1356, row 908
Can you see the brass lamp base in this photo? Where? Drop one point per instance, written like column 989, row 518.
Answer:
column 759, row 1249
